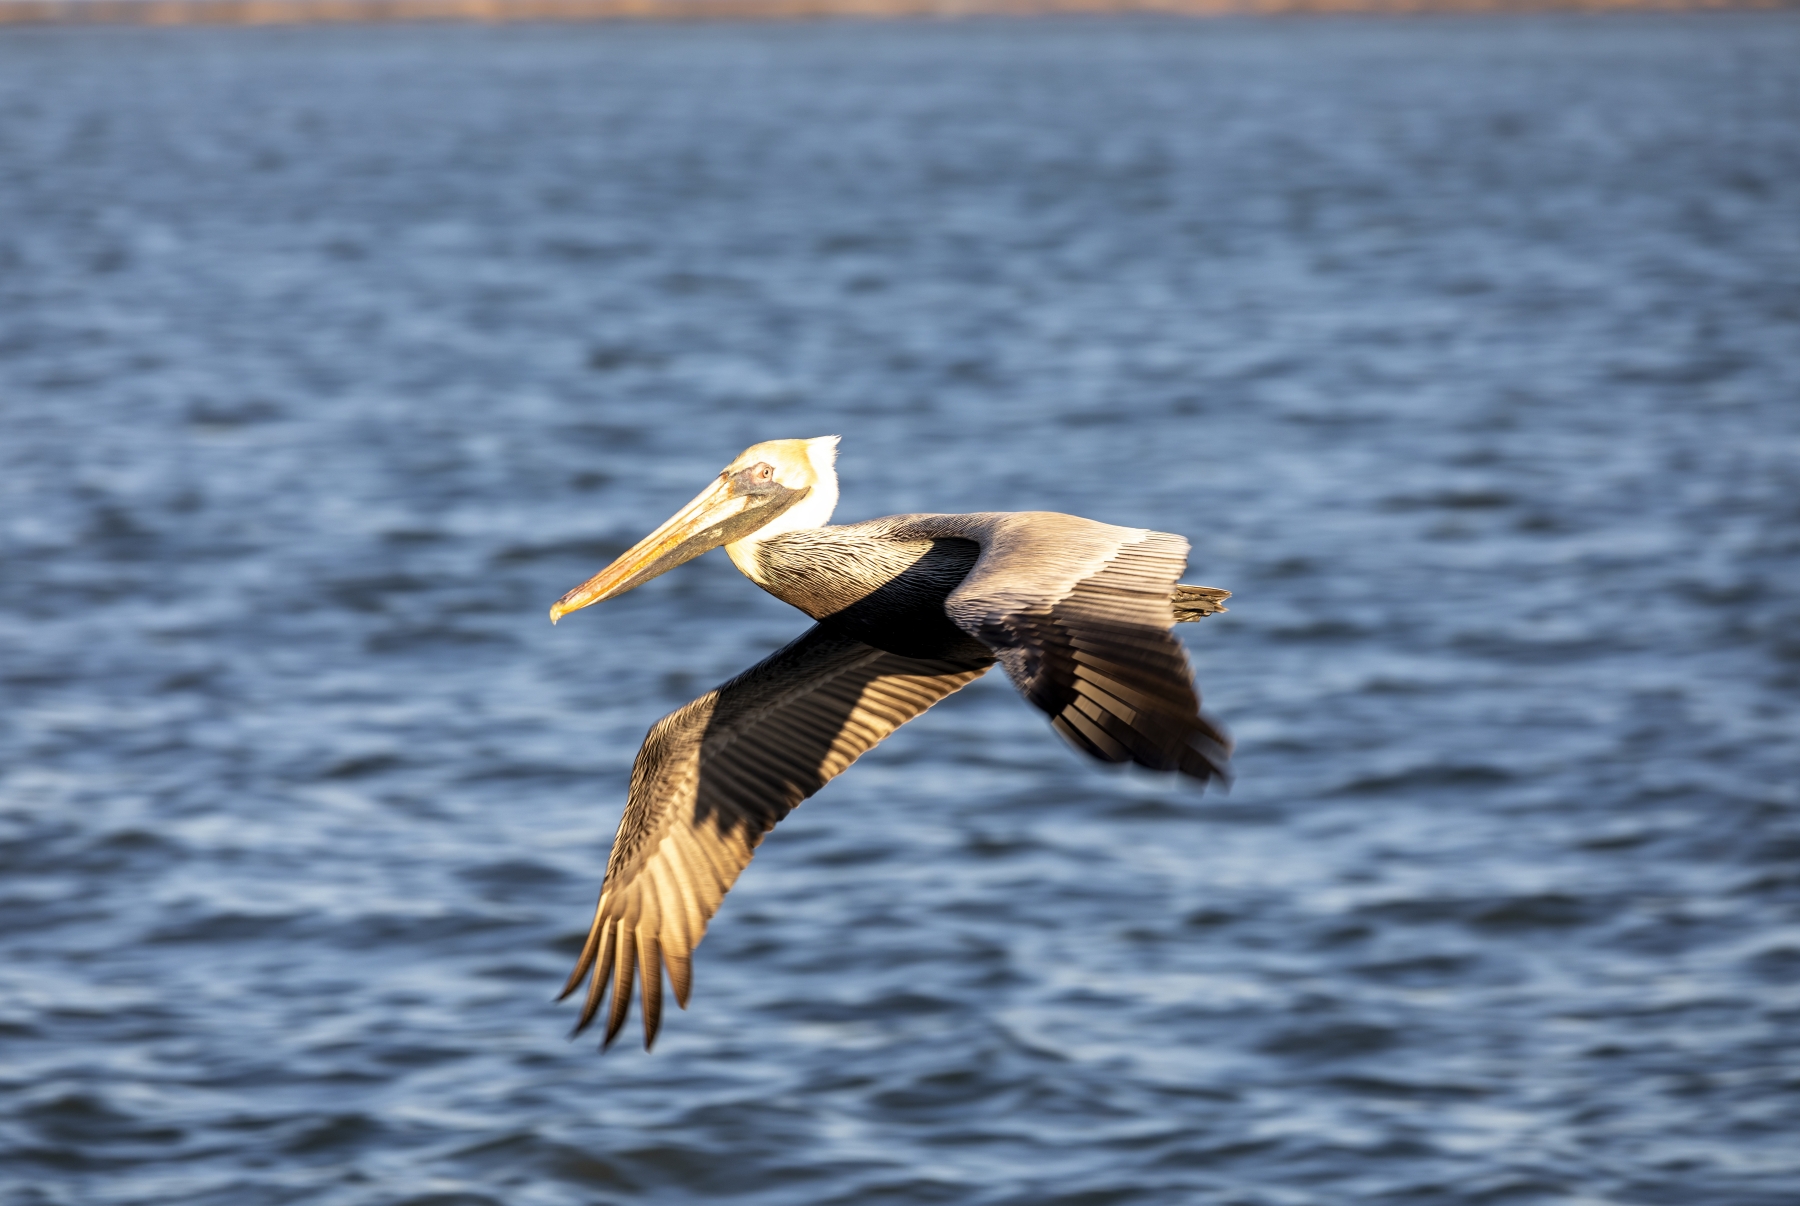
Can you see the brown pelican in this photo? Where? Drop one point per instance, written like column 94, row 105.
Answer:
column 909, row 608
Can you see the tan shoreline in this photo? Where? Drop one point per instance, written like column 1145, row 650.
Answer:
column 305, row 12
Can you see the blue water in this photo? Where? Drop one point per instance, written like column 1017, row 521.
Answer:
column 1466, row 352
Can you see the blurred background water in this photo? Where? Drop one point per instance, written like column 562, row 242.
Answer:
column 1466, row 352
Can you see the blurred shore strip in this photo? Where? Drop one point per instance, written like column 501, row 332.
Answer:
column 297, row 12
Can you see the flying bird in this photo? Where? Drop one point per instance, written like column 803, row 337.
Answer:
column 909, row 609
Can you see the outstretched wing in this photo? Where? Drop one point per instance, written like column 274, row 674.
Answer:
column 1079, row 614
column 715, row 776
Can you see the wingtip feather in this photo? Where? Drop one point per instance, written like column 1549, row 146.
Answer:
column 602, row 971
column 650, row 978
column 624, row 971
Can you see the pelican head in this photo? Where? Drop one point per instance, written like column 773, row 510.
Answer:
column 772, row 487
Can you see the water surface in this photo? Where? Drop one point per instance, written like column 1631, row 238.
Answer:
column 1466, row 352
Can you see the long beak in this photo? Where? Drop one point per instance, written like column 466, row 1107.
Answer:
column 683, row 537
column 722, row 513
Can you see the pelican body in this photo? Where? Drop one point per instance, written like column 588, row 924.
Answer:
column 908, row 609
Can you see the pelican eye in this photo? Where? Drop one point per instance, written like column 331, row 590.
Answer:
column 756, row 479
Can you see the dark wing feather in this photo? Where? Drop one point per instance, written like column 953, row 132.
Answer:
column 713, row 778
column 1079, row 614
